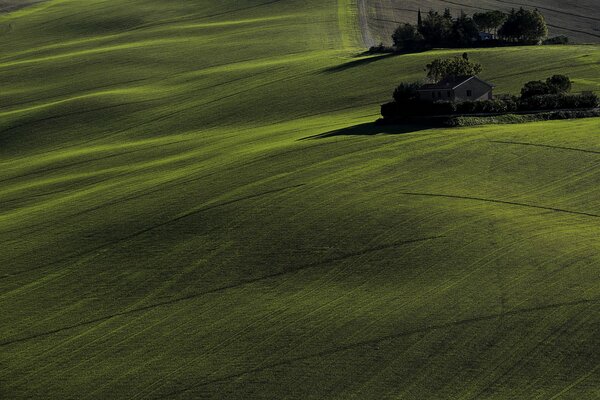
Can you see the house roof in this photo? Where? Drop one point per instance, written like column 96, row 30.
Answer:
column 452, row 83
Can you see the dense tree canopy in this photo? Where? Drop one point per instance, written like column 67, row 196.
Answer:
column 560, row 83
column 524, row 26
column 406, row 92
column 406, row 36
column 435, row 28
column 464, row 31
column 556, row 84
column 443, row 30
column 489, row 21
column 442, row 68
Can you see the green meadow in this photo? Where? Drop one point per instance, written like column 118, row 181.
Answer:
column 196, row 204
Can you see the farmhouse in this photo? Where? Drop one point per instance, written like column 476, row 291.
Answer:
column 458, row 89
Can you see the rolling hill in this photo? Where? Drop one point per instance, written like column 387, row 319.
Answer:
column 195, row 203
column 577, row 19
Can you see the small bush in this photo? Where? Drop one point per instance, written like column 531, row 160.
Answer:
column 561, row 39
column 381, row 49
column 390, row 110
column 559, row 83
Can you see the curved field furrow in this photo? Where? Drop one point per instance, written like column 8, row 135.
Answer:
column 196, row 203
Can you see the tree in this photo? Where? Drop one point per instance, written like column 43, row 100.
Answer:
column 406, row 92
column 524, row 26
column 440, row 68
column 535, row 88
column 448, row 14
column 407, row 36
column 560, row 83
column 435, row 28
column 489, row 21
column 464, row 31
column 419, row 19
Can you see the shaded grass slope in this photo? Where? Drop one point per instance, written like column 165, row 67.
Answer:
column 176, row 221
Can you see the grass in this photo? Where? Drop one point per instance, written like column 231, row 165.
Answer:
column 195, row 204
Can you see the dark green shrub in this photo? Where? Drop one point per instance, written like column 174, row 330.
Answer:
column 561, row 39
column 406, row 92
column 559, row 101
column 559, row 83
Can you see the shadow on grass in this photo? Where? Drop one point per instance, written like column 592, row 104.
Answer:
column 373, row 128
column 369, row 58
column 358, row 63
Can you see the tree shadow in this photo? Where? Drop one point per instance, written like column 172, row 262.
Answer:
column 374, row 128
column 370, row 57
column 358, row 63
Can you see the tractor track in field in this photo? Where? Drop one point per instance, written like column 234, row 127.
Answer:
column 552, row 10
column 547, row 9
column 8, row 6
column 494, row 201
column 363, row 21
column 547, row 146
column 423, row 331
column 321, row 263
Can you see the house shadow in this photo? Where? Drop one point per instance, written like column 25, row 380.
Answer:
column 374, row 128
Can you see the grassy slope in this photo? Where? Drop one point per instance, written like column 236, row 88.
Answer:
column 578, row 19
column 165, row 233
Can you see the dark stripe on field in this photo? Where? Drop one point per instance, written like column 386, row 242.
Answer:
column 221, row 289
column 153, row 227
column 546, row 146
column 424, row 330
column 512, row 203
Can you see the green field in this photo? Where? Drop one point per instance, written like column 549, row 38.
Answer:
column 195, row 204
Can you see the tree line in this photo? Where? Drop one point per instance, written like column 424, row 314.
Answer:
column 491, row 27
column 551, row 94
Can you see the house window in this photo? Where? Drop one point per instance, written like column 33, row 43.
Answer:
column 449, row 93
column 469, row 93
column 440, row 95
column 433, row 94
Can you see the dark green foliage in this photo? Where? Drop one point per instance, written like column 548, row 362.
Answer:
column 447, row 14
column 381, row 49
column 536, row 88
column 442, row 30
column 496, row 106
column 451, row 67
column 489, row 21
column 406, row 92
column 435, row 28
column 561, row 39
column 558, row 101
column 519, row 118
column 560, row 83
column 524, row 26
column 535, row 96
column 464, row 31
column 407, row 37
column 553, row 85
